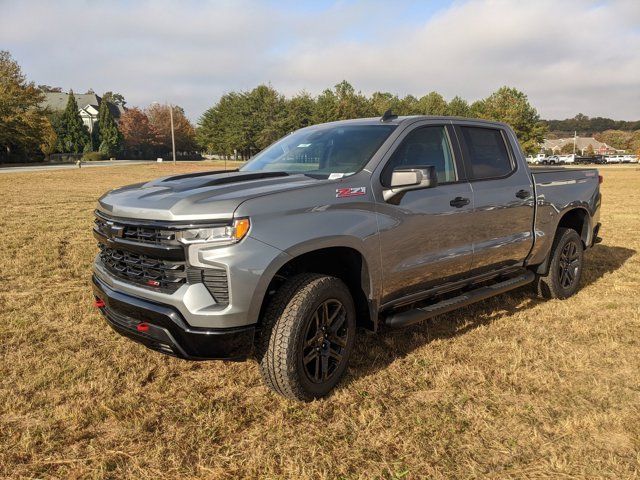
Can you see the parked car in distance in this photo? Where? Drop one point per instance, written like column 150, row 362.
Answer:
column 373, row 223
column 550, row 160
column 535, row 160
column 567, row 158
column 614, row 158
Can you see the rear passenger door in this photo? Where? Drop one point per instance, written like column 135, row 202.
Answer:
column 503, row 198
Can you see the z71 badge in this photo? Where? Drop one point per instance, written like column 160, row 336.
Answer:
column 350, row 192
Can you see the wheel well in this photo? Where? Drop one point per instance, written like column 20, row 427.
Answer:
column 577, row 220
column 342, row 262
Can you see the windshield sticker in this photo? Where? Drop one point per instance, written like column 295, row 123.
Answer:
column 350, row 192
column 335, row 175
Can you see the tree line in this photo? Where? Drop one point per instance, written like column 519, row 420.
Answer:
column 586, row 126
column 243, row 123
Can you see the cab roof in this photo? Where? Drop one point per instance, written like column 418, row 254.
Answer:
column 404, row 120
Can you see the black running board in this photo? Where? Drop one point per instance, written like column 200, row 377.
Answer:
column 409, row 317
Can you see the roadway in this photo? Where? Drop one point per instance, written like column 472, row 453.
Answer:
column 70, row 166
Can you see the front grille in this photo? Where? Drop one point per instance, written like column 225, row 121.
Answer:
column 158, row 274
column 138, row 233
column 149, row 255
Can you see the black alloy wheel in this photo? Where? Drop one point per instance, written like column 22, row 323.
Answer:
column 326, row 339
column 569, row 264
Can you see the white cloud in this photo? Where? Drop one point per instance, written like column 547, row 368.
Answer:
column 569, row 57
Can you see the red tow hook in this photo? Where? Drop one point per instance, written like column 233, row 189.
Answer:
column 143, row 327
column 98, row 303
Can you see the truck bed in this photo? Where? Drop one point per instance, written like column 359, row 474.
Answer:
column 548, row 169
column 558, row 190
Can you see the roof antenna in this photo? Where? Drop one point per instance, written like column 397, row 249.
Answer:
column 388, row 115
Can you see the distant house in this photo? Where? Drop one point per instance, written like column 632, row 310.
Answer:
column 88, row 105
column 582, row 144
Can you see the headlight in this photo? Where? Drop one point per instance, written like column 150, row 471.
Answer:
column 216, row 235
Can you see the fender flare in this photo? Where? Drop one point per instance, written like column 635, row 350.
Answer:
column 309, row 246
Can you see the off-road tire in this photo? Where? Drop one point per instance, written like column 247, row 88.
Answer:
column 285, row 325
column 554, row 284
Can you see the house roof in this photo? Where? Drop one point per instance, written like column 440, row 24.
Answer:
column 581, row 143
column 57, row 101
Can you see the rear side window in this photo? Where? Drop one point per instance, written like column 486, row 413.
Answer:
column 487, row 151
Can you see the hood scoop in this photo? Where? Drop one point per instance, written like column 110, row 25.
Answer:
column 234, row 177
column 197, row 174
column 244, row 178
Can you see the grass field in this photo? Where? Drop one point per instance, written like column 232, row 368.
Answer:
column 511, row 387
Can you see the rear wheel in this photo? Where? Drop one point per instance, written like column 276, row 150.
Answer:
column 565, row 268
column 307, row 336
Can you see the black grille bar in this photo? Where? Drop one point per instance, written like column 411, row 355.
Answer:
column 214, row 279
column 140, row 269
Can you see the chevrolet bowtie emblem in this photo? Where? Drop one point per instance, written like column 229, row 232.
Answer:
column 115, row 231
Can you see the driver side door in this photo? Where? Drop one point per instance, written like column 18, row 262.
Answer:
column 426, row 235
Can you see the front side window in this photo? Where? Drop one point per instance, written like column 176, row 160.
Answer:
column 487, row 152
column 323, row 150
column 425, row 146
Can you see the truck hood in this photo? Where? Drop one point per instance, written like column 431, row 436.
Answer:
column 196, row 196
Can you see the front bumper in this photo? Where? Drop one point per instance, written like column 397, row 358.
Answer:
column 162, row 328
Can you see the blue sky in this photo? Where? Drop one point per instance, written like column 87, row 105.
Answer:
column 569, row 57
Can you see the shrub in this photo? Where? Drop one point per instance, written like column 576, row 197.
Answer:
column 93, row 156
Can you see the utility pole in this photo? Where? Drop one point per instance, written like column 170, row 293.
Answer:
column 173, row 137
column 575, row 139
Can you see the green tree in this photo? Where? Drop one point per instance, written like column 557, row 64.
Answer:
column 23, row 123
column 616, row 138
column 433, row 104
column 567, row 149
column 458, row 107
column 511, row 106
column 409, row 105
column 326, row 107
column 73, row 134
column 115, row 98
column 299, row 112
column 342, row 103
column 634, row 143
column 109, row 137
column 226, row 128
column 267, row 123
column 383, row 101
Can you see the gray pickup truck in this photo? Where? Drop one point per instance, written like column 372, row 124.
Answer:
column 371, row 223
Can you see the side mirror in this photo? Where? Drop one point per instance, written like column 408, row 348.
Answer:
column 405, row 178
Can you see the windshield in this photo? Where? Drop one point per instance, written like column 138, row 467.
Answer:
column 322, row 151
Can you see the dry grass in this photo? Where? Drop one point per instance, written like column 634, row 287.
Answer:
column 511, row 387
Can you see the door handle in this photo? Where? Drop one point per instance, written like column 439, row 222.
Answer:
column 459, row 202
column 523, row 194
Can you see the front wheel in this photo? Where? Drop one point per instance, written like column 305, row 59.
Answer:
column 308, row 332
column 565, row 268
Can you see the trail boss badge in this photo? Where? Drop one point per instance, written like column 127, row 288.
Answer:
column 350, row 192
